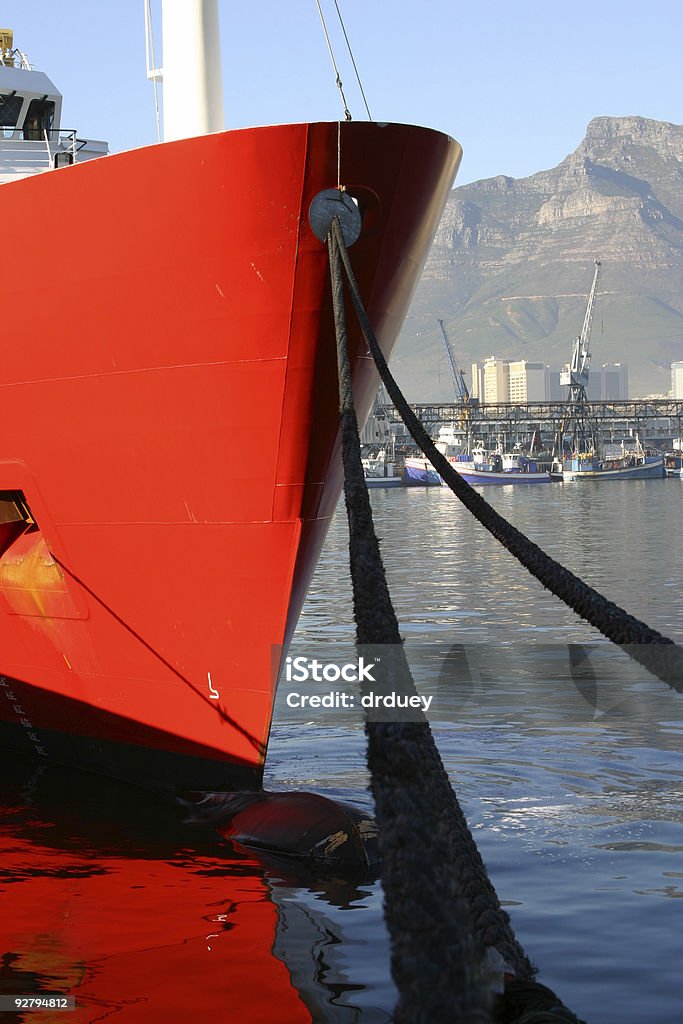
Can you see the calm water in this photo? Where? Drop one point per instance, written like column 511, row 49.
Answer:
column 572, row 783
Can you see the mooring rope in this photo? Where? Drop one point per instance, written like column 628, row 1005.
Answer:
column 441, row 909
column 656, row 652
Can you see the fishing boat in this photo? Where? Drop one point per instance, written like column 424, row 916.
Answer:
column 481, row 466
column 151, row 576
column 419, row 472
column 637, row 463
column 380, row 469
column 673, row 464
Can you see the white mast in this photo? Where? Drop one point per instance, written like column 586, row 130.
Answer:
column 193, row 87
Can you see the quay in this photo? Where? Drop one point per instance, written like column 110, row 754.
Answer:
column 655, row 421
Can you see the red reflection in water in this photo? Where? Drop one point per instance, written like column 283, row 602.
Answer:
column 134, row 928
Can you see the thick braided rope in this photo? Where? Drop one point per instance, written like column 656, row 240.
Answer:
column 441, row 909
column 645, row 645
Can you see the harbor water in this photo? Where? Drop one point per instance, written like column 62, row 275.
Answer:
column 565, row 756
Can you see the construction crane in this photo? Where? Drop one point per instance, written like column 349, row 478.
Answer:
column 575, row 374
column 457, row 375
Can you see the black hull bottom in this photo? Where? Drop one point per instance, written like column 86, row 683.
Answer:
column 152, row 767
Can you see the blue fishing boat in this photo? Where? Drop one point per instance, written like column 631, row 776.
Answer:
column 479, row 467
column 641, row 464
column 419, row 472
column 500, row 468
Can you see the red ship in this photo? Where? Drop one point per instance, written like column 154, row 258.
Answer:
column 169, row 454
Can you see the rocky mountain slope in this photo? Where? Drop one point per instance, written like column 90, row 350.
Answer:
column 512, row 263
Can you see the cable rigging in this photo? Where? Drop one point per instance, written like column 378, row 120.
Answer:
column 347, row 113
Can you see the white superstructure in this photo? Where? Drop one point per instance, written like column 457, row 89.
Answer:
column 31, row 137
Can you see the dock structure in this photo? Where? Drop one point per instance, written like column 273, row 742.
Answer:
column 655, row 421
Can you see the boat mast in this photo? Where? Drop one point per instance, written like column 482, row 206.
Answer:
column 193, row 88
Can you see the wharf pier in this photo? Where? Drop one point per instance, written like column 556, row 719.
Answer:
column 656, row 421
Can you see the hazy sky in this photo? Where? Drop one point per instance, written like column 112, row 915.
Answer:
column 515, row 83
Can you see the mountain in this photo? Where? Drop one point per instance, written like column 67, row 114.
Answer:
column 512, row 264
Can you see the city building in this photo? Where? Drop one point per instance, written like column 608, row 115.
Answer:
column 593, row 389
column 556, row 393
column 677, row 380
column 504, row 380
column 614, row 382
column 496, row 380
column 477, row 389
column 528, row 382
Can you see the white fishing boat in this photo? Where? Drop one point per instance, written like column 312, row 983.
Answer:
column 673, row 462
column 479, row 467
column 380, row 469
column 499, row 467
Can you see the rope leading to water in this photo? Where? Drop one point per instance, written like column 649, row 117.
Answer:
column 657, row 653
column 442, row 912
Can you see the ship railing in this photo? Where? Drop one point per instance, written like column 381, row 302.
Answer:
column 15, row 59
column 16, row 134
column 60, row 144
column 67, row 146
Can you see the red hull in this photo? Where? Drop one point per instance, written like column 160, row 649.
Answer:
column 168, row 415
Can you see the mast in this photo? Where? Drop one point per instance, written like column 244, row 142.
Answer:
column 193, row 88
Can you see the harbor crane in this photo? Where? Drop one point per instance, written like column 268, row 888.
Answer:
column 461, row 391
column 575, row 376
column 575, row 373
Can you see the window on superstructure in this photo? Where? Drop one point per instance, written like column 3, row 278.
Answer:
column 39, row 119
column 10, row 108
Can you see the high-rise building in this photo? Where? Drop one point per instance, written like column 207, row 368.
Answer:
column 556, row 393
column 608, row 383
column 496, row 380
column 503, row 380
column 677, row 380
column 528, row 382
column 593, row 388
column 614, row 382
column 477, row 389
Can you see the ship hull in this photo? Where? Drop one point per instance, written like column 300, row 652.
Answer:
column 420, row 473
column 651, row 470
column 169, row 460
column 373, row 482
column 483, row 476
